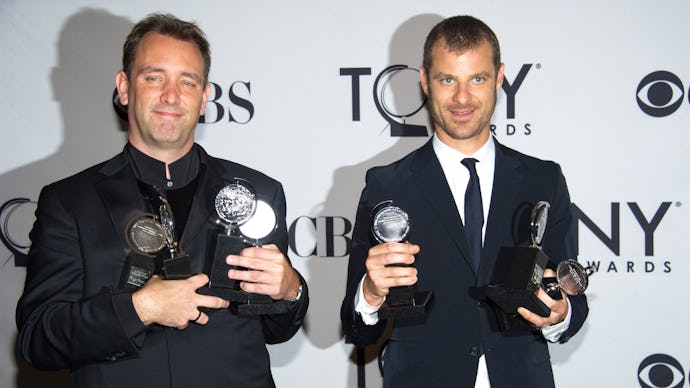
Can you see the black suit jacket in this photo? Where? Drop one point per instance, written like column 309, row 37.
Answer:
column 73, row 316
column 442, row 349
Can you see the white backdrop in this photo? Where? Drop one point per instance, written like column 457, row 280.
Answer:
column 296, row 82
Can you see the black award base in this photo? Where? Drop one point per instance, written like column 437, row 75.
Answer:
column 516, row 279
column 242, row 302
column 176, row 267
column 509, row 299
column 404, row 301
column 137, row 271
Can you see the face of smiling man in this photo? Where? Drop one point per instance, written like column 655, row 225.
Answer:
column 461, row 88
column 165, row 96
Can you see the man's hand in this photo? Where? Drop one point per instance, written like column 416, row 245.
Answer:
column 559, row 308
column 174, row 303
column 388, row 265
column 268, row 272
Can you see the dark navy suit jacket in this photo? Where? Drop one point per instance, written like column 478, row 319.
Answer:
column 442, row 349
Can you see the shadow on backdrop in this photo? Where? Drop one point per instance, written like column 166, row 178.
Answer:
column 400, row 97
column 89, row 51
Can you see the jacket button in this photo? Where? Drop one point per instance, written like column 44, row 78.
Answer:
column 474, row 351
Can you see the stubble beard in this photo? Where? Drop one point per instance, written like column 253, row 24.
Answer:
column 461, row 129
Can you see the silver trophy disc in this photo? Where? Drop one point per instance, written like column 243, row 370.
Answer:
column 261, row 224
column 236, row 203
column 145, row 235
column 571, row 277
column 390, row 223
column 540, row 213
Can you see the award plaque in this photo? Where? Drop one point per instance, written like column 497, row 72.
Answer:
column 390, row 223
column 246, row 222
column 175, row 263
column 518, row 276
column 571, row 277
column 145, row 237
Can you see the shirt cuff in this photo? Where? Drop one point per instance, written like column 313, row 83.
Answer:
column 553, row 333
column 369, row 313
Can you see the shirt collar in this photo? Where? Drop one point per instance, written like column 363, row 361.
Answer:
column 152, row 171
column 448, row 155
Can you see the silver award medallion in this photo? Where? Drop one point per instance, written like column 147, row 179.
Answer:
column 261, row 224
column 247, row 222
column 540, row 213
column 390, row 223
column 145, row 235
column 571, row 277
column 236, row 203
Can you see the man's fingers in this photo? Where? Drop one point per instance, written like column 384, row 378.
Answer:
column 198, row 280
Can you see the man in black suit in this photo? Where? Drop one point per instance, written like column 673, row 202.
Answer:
column 75, row 312
column 457, row 342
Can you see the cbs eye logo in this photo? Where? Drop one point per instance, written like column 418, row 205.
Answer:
column 660, row 93
column 660, row 371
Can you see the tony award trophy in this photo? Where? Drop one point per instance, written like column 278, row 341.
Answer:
column 175, row 263
column 145, row 237
column 390, row 223
column 518, row 275
column 246, row 222
column 571, row 277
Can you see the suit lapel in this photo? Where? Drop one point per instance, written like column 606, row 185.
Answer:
column 120, row 195
column 212, row 177
column 202, row 205
column 433, row 187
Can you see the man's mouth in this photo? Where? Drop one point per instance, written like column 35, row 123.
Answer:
column 462, row 113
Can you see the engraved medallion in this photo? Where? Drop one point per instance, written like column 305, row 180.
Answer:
column 236, row 202
column 145, row 235
column 390, row 223
column 571, row 277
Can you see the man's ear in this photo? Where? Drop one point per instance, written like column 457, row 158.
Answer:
column 499, row 77
column 424, row 80
column 204, row 99
column 122, row 85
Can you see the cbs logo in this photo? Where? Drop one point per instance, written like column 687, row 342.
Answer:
column 660, row 371
column 660, row 93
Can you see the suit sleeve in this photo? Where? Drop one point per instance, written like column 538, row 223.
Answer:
column 59, row 326
column 560, row 244
column 356, row 332
column 279, row 328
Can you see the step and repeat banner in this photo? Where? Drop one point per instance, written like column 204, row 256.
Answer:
column 316, row 92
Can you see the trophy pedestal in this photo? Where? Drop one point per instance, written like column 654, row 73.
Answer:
column 242, row 302
column 176, row 267
column 509, row 299
column 511, row 321
column 137, row 271
column 218, row 274
column 245, row 303
column 517, row 277
column 404, row 301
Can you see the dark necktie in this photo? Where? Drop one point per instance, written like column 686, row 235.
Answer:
column 474, row 213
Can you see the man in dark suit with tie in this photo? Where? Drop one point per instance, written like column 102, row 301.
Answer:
column 77, row 314
column 466, row 196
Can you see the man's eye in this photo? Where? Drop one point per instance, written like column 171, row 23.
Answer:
column 447, row 81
